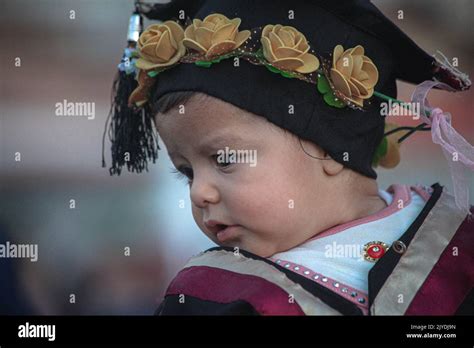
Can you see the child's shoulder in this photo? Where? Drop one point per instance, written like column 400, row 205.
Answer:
column 227, row 281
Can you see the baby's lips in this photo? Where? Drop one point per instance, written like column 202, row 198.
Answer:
column 216, row 226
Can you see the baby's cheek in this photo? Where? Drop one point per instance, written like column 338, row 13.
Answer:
column 267, row 208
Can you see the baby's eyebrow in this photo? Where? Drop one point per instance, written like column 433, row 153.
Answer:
column 219, row 141
column 211, row 143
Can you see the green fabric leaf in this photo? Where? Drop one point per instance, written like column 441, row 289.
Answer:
column 286, row 74
column 217, row 60
column 281, row 72
column 203, row 64
column 259, row 53
column 207, row 64
column 380, row 152
column 273, row 69
column 332, row 100
column 152, row 73
column 323, row 85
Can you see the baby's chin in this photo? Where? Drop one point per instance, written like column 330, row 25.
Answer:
column 241, row 239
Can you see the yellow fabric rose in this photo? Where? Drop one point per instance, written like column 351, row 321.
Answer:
column 287, row 49
column 353, row 74
column 160, row 45
column 215, row 35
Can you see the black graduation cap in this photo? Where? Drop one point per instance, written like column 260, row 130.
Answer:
column 349, row 135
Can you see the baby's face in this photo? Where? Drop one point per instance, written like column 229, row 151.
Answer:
column 273, row 203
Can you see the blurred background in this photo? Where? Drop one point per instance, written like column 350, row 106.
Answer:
column 117, row 249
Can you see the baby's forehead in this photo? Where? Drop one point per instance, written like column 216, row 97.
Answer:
column 208, row 114
column 217, row 125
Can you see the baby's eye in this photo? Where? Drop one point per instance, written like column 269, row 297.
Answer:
column 220, row 164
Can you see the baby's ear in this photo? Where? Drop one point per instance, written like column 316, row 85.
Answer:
column 330, row 166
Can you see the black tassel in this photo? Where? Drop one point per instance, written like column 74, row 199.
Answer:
column 131, row 130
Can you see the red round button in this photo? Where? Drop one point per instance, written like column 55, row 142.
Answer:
column 374, row 250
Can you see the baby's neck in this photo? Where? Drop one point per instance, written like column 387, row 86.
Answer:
column 363, row 200
column 374, row 205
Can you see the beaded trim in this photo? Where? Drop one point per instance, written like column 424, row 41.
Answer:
column 354, row 295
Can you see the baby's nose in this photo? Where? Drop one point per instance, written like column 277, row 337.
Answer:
column 203, row 192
